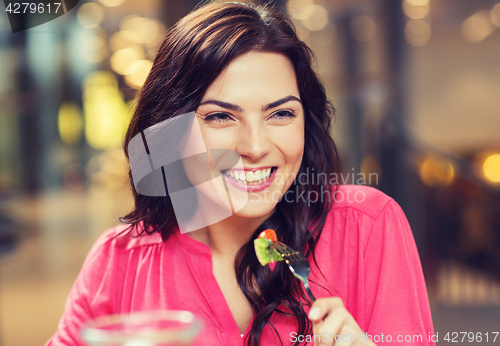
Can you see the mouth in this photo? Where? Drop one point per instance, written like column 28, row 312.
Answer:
column 250, row 179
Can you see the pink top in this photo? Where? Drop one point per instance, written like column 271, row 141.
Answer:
column 366, row 251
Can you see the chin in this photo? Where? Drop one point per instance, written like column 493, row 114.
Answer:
column 255, row 210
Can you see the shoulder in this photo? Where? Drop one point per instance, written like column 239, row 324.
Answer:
column 115, row 251
column 365, row 215
column 361, row 199
column 360, row 211
column 123, row 239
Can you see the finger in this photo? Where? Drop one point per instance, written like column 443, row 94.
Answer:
column 328, row 305
column 316, row 326
column 332, row 325
column 323, row 307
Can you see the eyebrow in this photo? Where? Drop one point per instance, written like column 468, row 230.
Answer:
column 237, row 108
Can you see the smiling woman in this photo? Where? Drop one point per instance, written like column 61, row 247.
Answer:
column 254, row 108
column 249, row 83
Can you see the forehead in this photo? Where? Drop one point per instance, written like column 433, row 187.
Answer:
column 262, row 76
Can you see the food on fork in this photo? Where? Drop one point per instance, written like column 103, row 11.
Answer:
column 265, row 253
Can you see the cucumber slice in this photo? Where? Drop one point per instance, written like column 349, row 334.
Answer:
column 266, row 254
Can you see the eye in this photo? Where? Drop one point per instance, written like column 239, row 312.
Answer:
column 281, row 115
column 217, row 118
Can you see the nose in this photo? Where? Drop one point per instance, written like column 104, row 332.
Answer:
column 254, row 142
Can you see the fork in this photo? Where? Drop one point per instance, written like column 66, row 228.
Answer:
column 297, row 263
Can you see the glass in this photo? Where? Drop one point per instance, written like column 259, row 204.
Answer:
column 159, row 328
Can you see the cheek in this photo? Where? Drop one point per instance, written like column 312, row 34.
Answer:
column 294, row 152
column 219, row 138
column 292, row 145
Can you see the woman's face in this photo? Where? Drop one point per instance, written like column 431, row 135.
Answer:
column 254, row 109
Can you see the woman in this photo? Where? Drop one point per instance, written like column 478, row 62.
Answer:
column 249, row 79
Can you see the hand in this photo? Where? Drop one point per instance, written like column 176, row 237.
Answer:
column 338, row 327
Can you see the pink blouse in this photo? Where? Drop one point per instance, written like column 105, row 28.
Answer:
column 366, row 253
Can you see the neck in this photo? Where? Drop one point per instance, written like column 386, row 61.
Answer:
column 226, row 237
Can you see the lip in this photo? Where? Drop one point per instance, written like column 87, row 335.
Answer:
column 254, row 187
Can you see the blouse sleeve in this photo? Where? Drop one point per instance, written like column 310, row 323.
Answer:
column 396, row 305
column 89, row 296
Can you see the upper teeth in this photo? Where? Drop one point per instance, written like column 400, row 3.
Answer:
column 251, row 176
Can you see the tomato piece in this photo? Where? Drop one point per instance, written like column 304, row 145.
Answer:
column 269, row 234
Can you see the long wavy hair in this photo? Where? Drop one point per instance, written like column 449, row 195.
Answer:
column 193, row 53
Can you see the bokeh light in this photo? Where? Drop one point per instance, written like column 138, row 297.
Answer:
column 70, row 123
column 123, row 58
column 491, row 168
column 90, row 15
column 120, row 40
column 137, row 73
column 141, row 29
column 111, row 3
column 495, row 15
column 370, row 167
column 418, row 2
column 300, row 9
column 317, row 18
column 435, row 171
column 417, row 32
column 415, row 12
column 105, row 112
column 149, row 31
column 130, row 22
column 477, row 27
column 363, row 28
column 132, row 27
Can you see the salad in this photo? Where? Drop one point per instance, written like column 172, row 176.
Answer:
column 265, row 253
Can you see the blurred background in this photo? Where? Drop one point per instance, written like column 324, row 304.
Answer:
column 416, row 84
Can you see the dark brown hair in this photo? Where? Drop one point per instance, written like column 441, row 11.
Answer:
column 194, row 52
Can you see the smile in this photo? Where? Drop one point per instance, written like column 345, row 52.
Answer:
column 254, row 180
